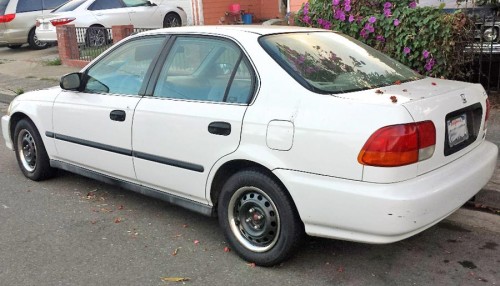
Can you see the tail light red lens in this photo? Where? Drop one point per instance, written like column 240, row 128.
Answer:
column 7, row 18
column 399, row 145
column 61, row 21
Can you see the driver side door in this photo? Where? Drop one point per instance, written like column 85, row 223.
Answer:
column 92, row 127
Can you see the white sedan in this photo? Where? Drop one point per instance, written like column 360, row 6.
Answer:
column 278, row 131
column 99, row 14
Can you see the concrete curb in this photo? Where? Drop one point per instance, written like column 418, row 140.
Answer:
column 5, row 98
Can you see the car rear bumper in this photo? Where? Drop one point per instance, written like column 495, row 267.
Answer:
column 46, row 35
column 6, row 133
column 13, row 37
column 383, row 213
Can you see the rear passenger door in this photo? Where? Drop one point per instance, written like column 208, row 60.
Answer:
column 110, row 12
column 194, row 115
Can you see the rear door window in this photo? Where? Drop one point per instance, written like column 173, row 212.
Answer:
column 51, row 4
column 70, row 6
column 28, row 6
column 106, row 4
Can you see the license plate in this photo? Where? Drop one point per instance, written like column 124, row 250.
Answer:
column 45, row 26
column 457, row 130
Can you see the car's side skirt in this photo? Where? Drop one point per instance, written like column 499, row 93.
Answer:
column 173, row 199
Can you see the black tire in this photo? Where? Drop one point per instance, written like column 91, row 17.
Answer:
column 259, row 218
column 30, row 152
column 172, row 20
column 14, row 47
column 96, row 36
column 34, row 43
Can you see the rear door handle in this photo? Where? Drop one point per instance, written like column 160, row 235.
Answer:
column 117, row 115
column 219, row 128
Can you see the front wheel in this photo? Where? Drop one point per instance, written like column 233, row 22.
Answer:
column 259, row 218
column 30, row 152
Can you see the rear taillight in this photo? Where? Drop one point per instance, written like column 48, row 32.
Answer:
column 61, row 21
column 399, row 145
column 7, row 18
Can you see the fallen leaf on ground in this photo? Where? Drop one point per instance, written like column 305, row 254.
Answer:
column 196, row 242
column 118, row 220
column 184, row 225
column 398, row 82
column 175, row 251
column 405, row 90
column 120, row 207
column 378, row 91
column 434, row 83
column 394, row 99
column 251, row 264
column 93, row 221
column 227, row 249
column 175, row 279
column 341, row 269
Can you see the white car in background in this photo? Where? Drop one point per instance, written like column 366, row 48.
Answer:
column 101, row 14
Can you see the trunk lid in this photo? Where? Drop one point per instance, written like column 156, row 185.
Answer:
column 457, row 110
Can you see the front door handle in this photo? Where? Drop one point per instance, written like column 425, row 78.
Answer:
column 219, row 128
column 117, row 115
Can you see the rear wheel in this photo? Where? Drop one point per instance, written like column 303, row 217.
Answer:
column 96, row 36
column 30, row 152
column 172, row 20
column 259, row 218
column 34, row 43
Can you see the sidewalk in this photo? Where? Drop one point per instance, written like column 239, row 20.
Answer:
column 25, row 70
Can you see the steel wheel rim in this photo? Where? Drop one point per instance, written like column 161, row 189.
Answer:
column 254, row 219
column 26, row 147
column 97, row 37
column 37, row 42
column 172, row 22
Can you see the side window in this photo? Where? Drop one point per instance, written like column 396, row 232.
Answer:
column 203, row 68
column 135, row 3
column 28, row 6
column 242, row 86
column 105, row 4
column 51, row 4
column 123, row 70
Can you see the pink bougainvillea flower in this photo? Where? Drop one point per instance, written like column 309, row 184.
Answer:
column 351, row 18
column 369, row 27
column 347, row 8
column 372, row 19
column 387, row 13
column 425, row 53
column 307, row 19
column 406, row 50
column 335, row 2
column 396, row 22
column 387, row 5
column 413, row 4
column 327, row 25
column 347, row 2
column 380, row 38
column 320, row 21
column 363, row 33
column 339, row 15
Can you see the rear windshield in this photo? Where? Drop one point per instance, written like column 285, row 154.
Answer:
column 70, row 6
column 328, row 62
column 3, row 6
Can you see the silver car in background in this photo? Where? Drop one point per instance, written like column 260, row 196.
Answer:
column 17, row 21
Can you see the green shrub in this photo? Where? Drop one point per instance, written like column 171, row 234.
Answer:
column 424, row 38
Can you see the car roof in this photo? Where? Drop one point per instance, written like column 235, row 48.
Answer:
column 231, row 29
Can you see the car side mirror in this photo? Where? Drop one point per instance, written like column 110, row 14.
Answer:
column 71, row 81
column 149, row 3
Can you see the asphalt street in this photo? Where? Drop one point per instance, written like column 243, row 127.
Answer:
column 75, row 231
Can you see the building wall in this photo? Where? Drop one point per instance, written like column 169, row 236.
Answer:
column 214, row 10
column 295, row 5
